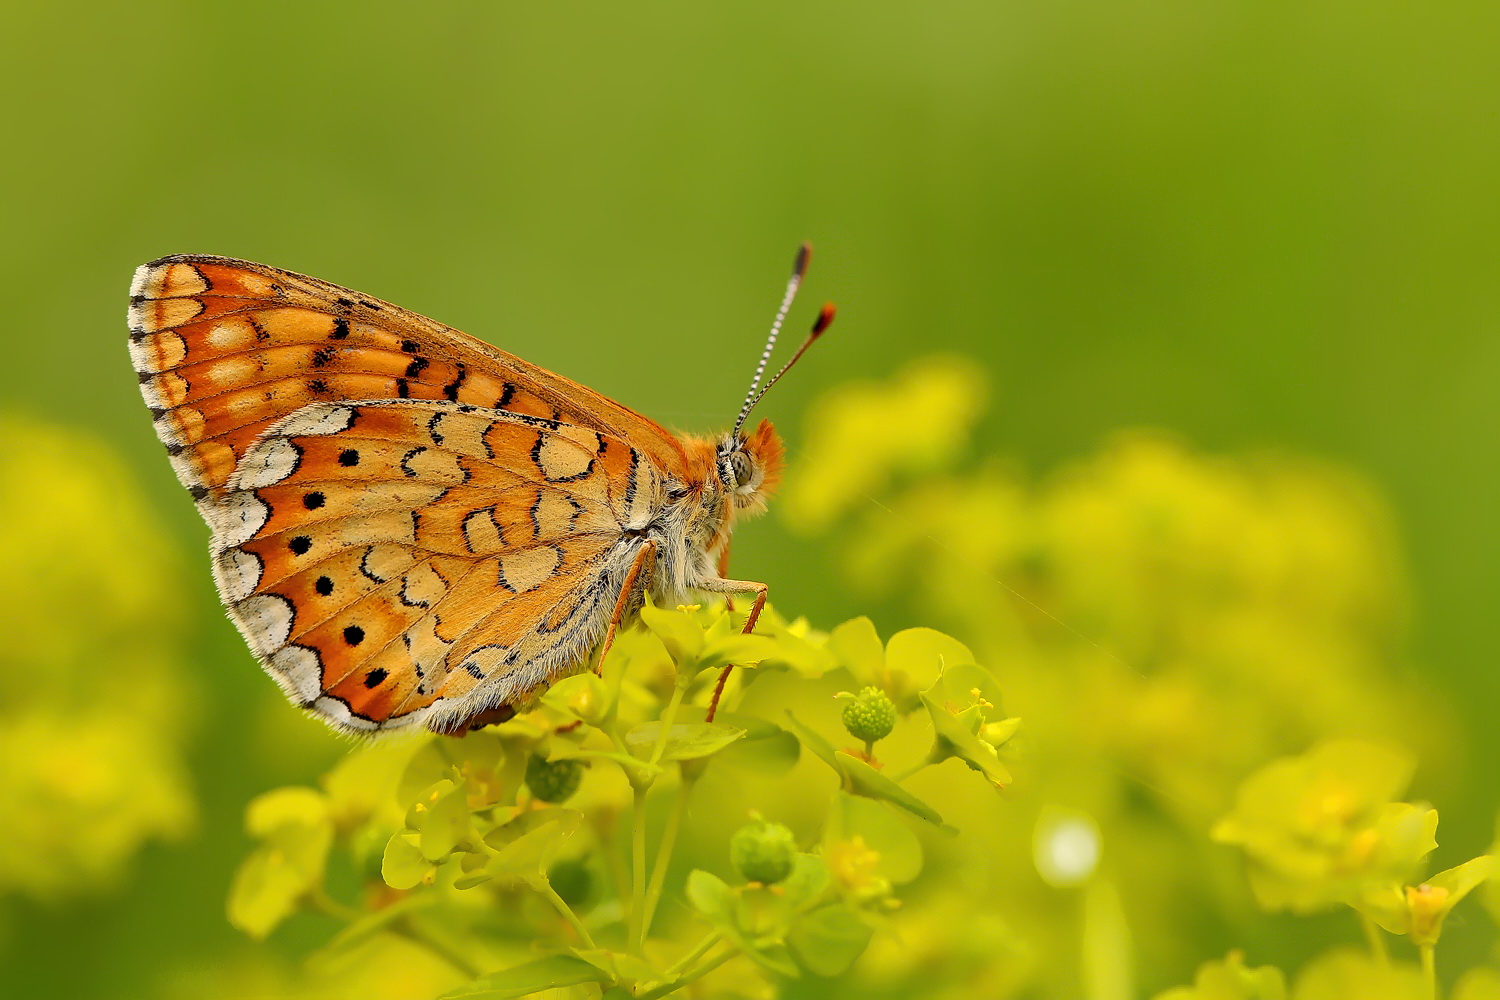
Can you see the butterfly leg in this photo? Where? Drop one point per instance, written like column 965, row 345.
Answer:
column 730, row 587
column 636, row 580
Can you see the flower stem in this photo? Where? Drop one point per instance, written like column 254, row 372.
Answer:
column 638, row 870
column 681, row 981
column 1429, row 969
column 664, row 854
column 436, row 944
column 327, row 904
column 1378, row 949
column 667, row 715
column 544, row 886
column 907, row 772
column 699, row 950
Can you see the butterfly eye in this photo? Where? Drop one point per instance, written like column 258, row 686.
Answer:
column 742, row 468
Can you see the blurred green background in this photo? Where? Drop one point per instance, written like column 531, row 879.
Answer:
column 1260, row 226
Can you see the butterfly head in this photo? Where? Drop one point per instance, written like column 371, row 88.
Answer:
column 749, row 467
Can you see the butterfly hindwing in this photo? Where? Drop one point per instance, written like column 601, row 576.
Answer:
column 394, row 560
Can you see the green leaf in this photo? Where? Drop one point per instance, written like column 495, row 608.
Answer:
column 956, row 739
column 774, row 957
column 619, row 966
column 710, row 896
column 1462, row 879
column 793, row 651
column 531, row 977
column 677, row 631
column 527, row 845
column 915, row 657
column 403, row 865
column 765, row 748
column 265, row 891
column 427, row 766
column 857, row 645
column 862, row 779
column 296, row 833
column 583, row 696
column 814, row 741
column 282, row 806
column 966, row 684
column 685, row 740
column 827, row 941
column 738, row 648
column 441, row 819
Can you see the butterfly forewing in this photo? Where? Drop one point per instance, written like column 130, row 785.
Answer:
column 409, row 525
column 223, row 348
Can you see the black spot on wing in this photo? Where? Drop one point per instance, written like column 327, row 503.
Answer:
column 450, row 391
column 406, row 468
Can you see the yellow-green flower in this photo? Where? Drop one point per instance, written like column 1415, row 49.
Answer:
column 97, row 704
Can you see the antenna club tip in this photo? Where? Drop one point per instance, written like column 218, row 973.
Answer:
column 799, row 265
column 824, row 320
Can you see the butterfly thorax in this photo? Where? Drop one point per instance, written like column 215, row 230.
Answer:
column 727, row 478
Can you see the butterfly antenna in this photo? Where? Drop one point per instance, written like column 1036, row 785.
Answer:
column 752, row 396
column 824, row 320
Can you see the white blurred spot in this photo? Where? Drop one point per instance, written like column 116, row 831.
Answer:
column 1066, row 847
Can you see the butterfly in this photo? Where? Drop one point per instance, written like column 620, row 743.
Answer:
column 409, row 526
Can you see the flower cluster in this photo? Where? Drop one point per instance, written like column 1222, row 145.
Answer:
column 1167, row 621
column 1322, row 830
column 555, row 852
column 94, row 723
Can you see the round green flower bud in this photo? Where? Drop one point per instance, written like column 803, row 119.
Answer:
column 870, row 716
column 762, row 852
column 553, row 781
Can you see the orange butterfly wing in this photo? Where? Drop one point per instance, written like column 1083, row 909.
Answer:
column 225, row 347
column 409, row 525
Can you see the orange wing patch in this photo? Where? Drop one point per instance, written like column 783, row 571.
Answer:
column 392, row 561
